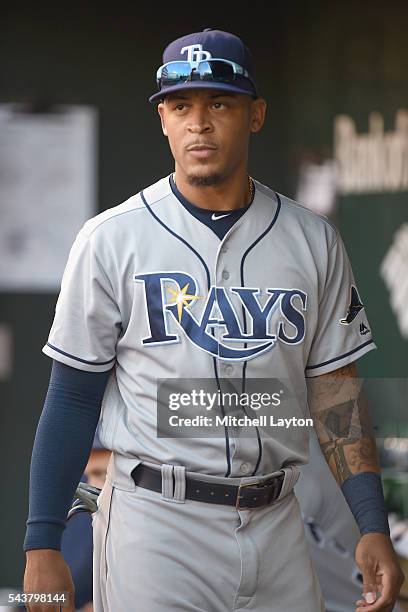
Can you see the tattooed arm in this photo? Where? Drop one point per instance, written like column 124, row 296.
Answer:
column 342, row 422
column 343, row 426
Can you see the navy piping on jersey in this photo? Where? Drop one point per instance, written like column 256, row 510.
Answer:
column 268, row 229
column 228, row 472
column 105, row 548
column 179, row 238
column 221, row 229
column 96, row 363
column 320, row 365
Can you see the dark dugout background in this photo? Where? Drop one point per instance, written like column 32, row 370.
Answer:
column 314, row 60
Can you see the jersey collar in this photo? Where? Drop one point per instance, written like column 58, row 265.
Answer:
column 254, row 225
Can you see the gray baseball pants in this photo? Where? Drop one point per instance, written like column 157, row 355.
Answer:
column 163, row 553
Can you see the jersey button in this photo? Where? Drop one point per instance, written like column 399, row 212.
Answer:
column 228, row 370
column 244, row 468
column 224, row 248
column 225, row 275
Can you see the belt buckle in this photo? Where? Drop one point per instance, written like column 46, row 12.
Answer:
column 274, row 481
column 255, row 483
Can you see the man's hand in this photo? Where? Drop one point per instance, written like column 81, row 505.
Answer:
column 47, row 572
column 382, row 575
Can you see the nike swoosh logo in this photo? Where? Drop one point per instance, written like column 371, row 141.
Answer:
column 214, row 218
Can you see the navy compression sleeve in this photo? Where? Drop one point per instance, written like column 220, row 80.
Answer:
column 365, row 497
column 61, row 450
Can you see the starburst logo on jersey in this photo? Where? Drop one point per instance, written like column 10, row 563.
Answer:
column 181, row 298
column 173, row 296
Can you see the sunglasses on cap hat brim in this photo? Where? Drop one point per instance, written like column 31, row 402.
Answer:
column 217, row 73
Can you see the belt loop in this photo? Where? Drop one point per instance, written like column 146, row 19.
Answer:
column 292, row 473
column 167, row 482
column 179, row 484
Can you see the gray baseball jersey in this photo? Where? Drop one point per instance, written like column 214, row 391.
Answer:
column 275, row 297
column 153, row 291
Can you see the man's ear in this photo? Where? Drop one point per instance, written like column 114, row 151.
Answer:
column 160, row 110
column 258, row 112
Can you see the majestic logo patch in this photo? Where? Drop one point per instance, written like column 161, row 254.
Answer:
column 175, row 294
column 364, row 329
column 195, row 53
column 354, row 307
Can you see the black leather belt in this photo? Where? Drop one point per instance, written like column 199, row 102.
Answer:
column 248, row 495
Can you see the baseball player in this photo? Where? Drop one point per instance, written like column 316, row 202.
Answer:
column 205, row 275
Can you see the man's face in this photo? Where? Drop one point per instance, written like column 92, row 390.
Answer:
column 209, row 131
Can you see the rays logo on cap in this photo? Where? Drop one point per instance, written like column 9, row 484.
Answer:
column 195, row 53
column 206, row 46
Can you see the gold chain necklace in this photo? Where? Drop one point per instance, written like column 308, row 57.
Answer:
column 251, row 189
column 250, row 185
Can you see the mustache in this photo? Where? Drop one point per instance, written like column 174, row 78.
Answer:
column 201, row 145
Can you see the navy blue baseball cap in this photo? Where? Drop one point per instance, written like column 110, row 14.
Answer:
column 206, row 45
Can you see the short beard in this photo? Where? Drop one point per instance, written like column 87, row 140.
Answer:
column 204, row 181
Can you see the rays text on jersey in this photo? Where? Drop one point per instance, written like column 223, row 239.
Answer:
column 174, row 294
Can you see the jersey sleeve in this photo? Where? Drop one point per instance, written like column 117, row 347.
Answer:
column 343, row 333
column 87, row 320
